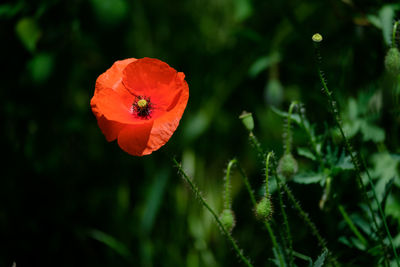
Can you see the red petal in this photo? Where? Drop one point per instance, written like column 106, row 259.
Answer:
column 166, row 125
column 110, row 129
column 152, row 78
column 134, row 139
column 115, row 107
column 112, row 78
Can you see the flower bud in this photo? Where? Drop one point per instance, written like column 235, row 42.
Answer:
column 317, row 38
column 273, row 92
column 247, row 119
column 264, row 209
column 392, row 61
column 227, row 219
column 287, row 166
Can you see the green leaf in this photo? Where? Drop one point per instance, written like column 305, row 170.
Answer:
column 388, row 189
column 352, row 109
column 371, row 132
column 263, row 63
column 385, row 168
column 305, row 152
column 321, row 259
column 295, row 117
column 243, row 9
column 393, row 207
column 9, row 10
column 344, row 163
column 154, row 200
column 110, row 12
column 41, row 67
column 308, row 178
column 111, row 242
column 374, row 20
column 28, row 32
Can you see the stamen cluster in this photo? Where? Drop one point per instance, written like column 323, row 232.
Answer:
column 142, row 107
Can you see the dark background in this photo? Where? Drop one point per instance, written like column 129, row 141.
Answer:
column 70, row 198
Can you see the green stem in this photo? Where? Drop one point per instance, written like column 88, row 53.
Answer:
column 311, row 225
column 348, row 147
column 205, row 204
column 352, row 226
column 394, row 34
column 257, row 145
column 310, row 136
column 228, row 200
column 382, row 213
column 267, row 174
column 289, row 131
column 247, row 184
column 288, row 236
column 305, row 217
column 297, row 206
column 267, row 225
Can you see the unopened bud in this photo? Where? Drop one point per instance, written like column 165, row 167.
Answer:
column 287, row 166
column 317, row 38
column 227, row 219
column 264, row 209
column 273, row 92
column 392, row 61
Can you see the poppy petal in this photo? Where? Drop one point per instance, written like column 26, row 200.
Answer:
column 112, row 78
column 166, row 125
column 110, row 129
column 115, row 107
column 153, row 78
column 134, row 139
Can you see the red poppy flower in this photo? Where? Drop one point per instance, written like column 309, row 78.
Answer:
column 139, row 102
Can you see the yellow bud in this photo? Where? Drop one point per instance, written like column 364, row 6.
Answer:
column 317, row 38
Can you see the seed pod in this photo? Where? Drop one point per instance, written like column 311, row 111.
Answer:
column 273, row 92
column 287, row 166
column 247, row 119
column 392, row 61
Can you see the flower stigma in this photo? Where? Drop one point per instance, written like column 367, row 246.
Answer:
column 142, row 103
column 142, row 107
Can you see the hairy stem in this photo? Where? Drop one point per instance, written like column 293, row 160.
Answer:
column 288, row 236
column 349, row 148
column 227, row 195
column 266, row 223
column 288, row 141
column 196, row 191
column 394, row 34
column 382, row 213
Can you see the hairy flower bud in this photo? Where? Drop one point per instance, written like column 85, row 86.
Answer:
column 227, row 219
column 264, row 209
column 392, row 61
column 273, row 92
column 287, row 166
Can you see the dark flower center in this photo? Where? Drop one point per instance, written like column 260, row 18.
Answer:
column 142, row 107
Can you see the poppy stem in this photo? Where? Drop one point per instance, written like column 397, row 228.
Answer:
column 288, row 139
column 266, row 223
column 355, row 159
column 288, row 236
column 227, row 195
column 197, row 193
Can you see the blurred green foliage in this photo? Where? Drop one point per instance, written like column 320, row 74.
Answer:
column 69, row 198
